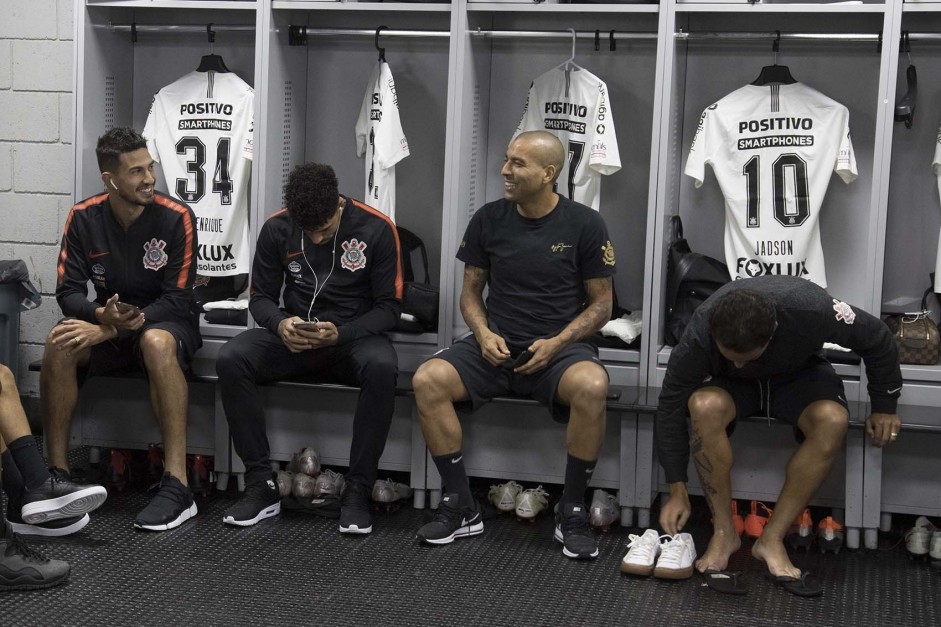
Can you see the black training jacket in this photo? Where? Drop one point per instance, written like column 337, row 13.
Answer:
column 807, row 317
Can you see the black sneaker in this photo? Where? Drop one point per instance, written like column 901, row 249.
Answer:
column 261, row 500
column 49, row 529
column 58, row 497
column 452, row 521
column 171, row 507
column 354, row 509
column 22, row 568
column 572, row 530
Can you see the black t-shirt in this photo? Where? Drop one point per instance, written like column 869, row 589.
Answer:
column 538, row 268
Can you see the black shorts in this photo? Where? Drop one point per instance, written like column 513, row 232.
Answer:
column 124, row 353
column 484, row 381
column 783, row 397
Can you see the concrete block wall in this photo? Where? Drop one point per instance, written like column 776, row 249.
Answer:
column 36, row 160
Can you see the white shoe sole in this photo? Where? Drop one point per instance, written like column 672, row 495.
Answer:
column 36, row 530
column 268, row 512
column 71, row 505
column 185, row 515
column 462, row 532
column 356, row 530
column 557, row 536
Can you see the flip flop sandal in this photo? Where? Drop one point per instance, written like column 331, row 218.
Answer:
column 725, row 581
column 806, row 585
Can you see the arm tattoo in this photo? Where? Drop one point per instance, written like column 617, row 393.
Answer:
column 596, row 314
column 472, row 298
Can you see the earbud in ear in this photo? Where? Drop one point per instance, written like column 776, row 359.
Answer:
column 112, row 183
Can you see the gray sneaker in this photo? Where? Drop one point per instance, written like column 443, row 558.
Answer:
column 22, row 568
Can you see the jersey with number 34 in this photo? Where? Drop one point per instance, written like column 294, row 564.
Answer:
column 573, row 105
column 200, row 131
column 773, row 149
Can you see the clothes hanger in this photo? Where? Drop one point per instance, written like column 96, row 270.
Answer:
column 382, row 51
column 905, row 107
column 211, row 62
column 775, row 73
column 569, row 64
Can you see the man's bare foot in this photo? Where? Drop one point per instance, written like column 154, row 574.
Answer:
column 721, row 547
column 771, row 551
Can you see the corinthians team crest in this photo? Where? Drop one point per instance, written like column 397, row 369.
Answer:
column 353, row 258
column 154, row 255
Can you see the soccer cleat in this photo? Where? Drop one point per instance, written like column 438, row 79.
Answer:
column 118, row 472
column 199, row 473
column 755, row 522
column 23, row 568
column 58, row 497
column 328, row 483
column 603, row 511
column 801, row 533
column 529, row 503
column 261, row 500
column 934, row 551
column 642, row 553
column 171, row 507
column 451, row 522
column 354, row 509
column 829, row 535
column 503, row 495
column 302, row 486
column 572, row 530
column 389, row 493
column 285, row 483
column 918, row 538
column 676, row 558
column 308, row 462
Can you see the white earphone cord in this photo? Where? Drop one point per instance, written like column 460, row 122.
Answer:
column 318, row 287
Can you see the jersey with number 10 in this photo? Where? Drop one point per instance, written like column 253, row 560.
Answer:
column 573, row 105
column 200, row 131
column 773, row 149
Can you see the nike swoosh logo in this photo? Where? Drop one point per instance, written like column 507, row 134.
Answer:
column 292, row 255
column 96, row 255
column 898, row 389
column 454, row 461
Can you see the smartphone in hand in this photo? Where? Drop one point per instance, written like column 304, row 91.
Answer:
column 520, row 359
column 307, row 326
column 125, row 308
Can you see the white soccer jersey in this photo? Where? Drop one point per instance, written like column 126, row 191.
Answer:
column 573, row 105
column 772, row 149
column 936, row 166
column 200, row 130
column 380, row 138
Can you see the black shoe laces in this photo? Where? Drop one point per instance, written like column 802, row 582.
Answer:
column 575, row 524
column 449, row 514
column 354, row 495
column 18, row 545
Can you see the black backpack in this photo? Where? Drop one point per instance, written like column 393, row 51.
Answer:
column 420, row 299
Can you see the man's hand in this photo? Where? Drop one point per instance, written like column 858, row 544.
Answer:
column 883, row 428
column 73, row 335
column 299, row 339
column 675, row 513
column 325, row 335
column 544, row 351
column 493, row 348
column 109, row 315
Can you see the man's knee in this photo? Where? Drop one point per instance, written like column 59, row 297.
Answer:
column 432, row 379
column 711, row 410
column 380, row 365
column 587, row 386
column 232, row 362
column 825, row 423
column 159, row 348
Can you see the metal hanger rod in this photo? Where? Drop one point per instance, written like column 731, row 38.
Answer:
column 386, row 32
column 772, row 35
column 180, row 28
column 557, row 34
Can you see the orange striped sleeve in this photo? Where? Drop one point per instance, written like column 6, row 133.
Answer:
column 399, row 277
column 64, row 252
column 276, row 213
column 188, row 230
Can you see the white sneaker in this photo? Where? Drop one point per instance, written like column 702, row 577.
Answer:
column 676, row 558
column 642, row 553
column 503, row 496
column 328, row 483
column 389, row 491
column 603, row 511
column 935, row 552
column 918, row 538
column 530, row 502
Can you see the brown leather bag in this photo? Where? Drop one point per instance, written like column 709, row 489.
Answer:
column 916, row 334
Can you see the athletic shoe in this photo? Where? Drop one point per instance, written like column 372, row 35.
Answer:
column 199, row 473
column 918, row 538
column 572, row 530
column 389, row 491
column 755, row 522
column 303, row 485
column 935, row 550
column 328, row 483
column 171, row 507
column 451, row 522
column 261, row 500
column 354, row 509
column 50, row 529
column 604, row 510
column 285, row 482
column 642, row 553
column 308, row 462
column 829, row 535
column 58, row 497
column 503, row 495
column 676, row 558
column 801, row 533
column 529, row 503
column 23, row 568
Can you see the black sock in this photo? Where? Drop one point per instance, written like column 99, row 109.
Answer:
column 29, row 461
column 577, row 476
column 12, row 479
column 454, row 477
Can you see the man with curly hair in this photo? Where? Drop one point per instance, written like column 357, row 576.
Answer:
column 338, row 261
